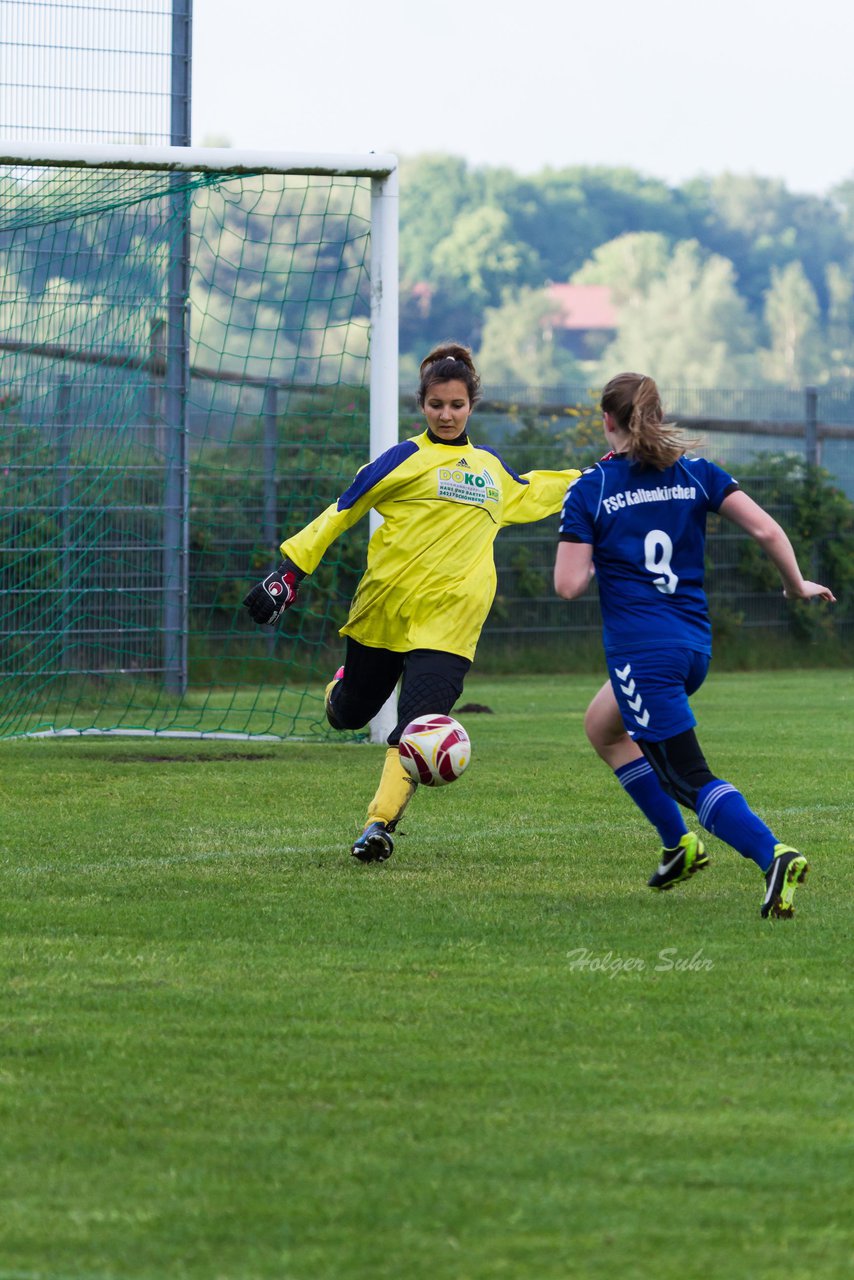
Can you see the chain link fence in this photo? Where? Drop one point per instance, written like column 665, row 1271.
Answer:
column 92, row 71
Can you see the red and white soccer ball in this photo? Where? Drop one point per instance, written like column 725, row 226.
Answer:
column 434, row 750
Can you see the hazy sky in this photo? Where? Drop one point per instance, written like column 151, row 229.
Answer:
column 672, row 88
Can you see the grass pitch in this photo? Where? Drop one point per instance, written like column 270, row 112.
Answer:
column 229, row 1052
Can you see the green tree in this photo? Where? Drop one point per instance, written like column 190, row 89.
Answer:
column 792, row 319
column 570, row 212
column 690, row 327
column 456, row 259
column 452, row 262
column 819, row 519
column 628, row 265
column 759, row 225
column 518, row 343
column 840, row 321
column 480, row 257
column 434, row 191
column 842, row 196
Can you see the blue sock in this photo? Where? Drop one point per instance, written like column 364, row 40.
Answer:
column 724, row 811
column 639, row 779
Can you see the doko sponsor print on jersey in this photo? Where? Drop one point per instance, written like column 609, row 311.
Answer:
column 463, row 485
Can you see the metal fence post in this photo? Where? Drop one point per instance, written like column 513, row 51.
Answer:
column 268, row 416
column 62, row 441
column 811, row 445
column 182, row 59
column 176, row 500
column 176, row 612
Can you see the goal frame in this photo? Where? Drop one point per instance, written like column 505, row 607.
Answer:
column 380, row 168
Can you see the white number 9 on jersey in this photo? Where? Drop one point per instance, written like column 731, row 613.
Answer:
column 658, row 552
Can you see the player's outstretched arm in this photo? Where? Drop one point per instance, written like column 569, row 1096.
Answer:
column 573, row 568
column 269, row 599
column 774, row 541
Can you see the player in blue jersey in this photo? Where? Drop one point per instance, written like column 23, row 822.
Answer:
column 430, row 579
column 638, row 519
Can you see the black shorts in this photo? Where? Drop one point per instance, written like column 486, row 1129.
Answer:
column 431, row 681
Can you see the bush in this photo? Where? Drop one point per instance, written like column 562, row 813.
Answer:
column 819, row 520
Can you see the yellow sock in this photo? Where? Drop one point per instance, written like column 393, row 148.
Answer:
column 395, row 791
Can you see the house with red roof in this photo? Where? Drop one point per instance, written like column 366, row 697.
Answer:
column 585, row 319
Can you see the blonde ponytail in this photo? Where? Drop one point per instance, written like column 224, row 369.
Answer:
column 633, row 401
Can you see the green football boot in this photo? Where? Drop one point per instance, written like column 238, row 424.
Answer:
column 786, row 872
column 680, row 863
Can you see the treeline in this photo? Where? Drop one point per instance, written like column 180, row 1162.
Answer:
column 728, row 281
column 722, row 282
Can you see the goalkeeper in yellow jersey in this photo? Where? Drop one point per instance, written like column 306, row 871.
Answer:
column 430, row 579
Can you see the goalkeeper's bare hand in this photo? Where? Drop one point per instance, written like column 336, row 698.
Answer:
column 268, row 600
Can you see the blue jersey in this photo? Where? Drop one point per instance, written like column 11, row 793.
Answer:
column 648, row 533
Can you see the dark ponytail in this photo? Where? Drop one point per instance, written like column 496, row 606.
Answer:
column 449, row 362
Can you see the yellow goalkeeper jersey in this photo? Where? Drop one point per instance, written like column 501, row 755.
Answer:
column 430, row 577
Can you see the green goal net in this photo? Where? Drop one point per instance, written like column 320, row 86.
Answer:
column 186, row 378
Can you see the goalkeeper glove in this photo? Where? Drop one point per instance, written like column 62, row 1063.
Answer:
column 268, row 600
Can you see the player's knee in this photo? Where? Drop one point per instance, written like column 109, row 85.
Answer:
column 345, row 712
column 603, row 723
column 602, row 732
column 591, row 728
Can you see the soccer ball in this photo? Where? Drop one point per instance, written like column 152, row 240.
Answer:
column 434, row 750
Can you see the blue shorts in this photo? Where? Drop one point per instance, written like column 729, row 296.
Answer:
column 652, row 687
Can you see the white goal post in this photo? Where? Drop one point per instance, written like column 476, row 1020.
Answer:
column 18, row 159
